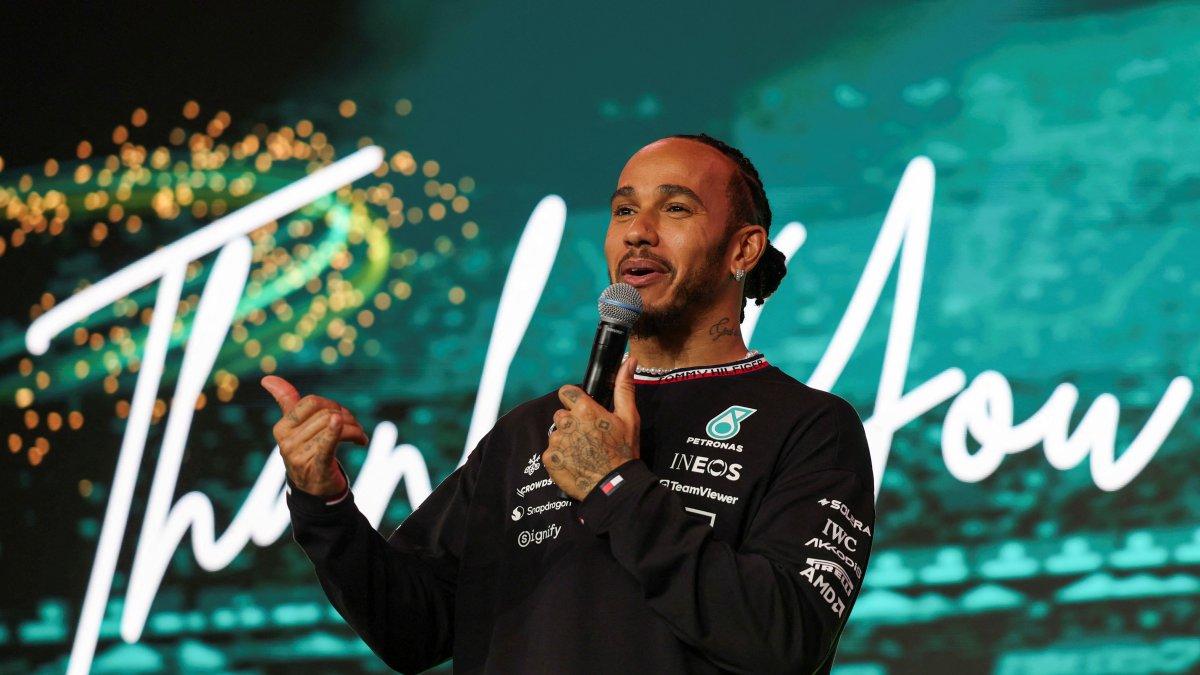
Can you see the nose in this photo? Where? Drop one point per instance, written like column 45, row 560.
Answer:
column 642, row 230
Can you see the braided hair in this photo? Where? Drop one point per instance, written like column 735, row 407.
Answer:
column 748, row 204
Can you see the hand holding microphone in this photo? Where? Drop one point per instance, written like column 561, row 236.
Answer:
column 589, row 441
column 620, row 306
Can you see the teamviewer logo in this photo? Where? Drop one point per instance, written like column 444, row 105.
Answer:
column 727, row 425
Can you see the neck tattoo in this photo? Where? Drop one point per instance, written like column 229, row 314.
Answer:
column 656, row 372
column 721, row 328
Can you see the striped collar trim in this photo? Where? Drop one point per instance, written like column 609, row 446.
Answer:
column 757, row 362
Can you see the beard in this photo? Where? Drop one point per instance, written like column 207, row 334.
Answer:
column 672, row 321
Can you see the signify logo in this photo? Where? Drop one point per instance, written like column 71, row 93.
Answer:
column 527, row 537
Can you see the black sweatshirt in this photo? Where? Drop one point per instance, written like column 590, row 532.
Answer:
column 736, row 543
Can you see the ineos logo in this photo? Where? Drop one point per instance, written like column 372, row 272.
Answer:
column 701, row 464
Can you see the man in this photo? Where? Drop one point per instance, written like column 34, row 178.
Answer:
column 719, row 519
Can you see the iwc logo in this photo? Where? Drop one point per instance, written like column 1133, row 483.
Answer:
column 729, row 423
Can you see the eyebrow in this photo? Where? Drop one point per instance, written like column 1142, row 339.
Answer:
column 668, row 190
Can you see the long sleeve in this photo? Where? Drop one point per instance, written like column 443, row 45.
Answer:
column 397, row 594
column 778, row 601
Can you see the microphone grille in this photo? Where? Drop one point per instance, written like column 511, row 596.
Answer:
column 620, row 304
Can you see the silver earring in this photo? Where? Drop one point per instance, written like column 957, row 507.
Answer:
column 739, row 275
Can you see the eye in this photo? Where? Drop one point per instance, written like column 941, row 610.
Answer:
column 622, row 210
column 677, row 208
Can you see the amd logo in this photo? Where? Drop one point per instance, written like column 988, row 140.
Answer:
column 701, row 464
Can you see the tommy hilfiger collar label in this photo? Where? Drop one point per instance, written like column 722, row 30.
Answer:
column 749, row 365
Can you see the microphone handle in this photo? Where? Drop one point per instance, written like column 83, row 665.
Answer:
column 605, row 361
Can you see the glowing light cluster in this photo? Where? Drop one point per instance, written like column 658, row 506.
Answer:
column 321, row 277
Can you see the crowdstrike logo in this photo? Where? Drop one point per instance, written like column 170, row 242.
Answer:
column 535, row 485
column 726, row 425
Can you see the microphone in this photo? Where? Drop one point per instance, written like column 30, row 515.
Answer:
column 620, row 306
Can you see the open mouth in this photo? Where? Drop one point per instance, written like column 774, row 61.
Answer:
column 639, row 272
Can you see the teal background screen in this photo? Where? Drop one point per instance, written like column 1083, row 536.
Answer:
column 1055, row 274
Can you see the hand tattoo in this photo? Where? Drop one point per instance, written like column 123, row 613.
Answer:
column 583, row 452
column 586, row 444
column 587, row 451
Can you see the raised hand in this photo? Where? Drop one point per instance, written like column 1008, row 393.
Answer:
column 308, row 433
column 589, row 441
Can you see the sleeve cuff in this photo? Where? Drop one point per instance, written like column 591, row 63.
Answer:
column 616, row 495
column 299, row 500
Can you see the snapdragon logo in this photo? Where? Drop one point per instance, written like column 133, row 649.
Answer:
column 726, row 425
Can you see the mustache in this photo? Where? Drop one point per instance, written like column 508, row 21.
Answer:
column 644, row 255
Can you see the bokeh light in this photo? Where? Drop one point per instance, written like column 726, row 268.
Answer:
column 326, row 265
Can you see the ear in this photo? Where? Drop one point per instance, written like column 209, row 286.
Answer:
column 747, row 246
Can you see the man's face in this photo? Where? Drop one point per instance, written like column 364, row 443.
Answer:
column 669, row 230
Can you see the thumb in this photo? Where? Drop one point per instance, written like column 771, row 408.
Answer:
column 624, row 394
column 282, row 391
